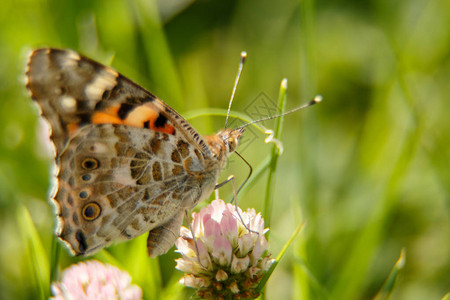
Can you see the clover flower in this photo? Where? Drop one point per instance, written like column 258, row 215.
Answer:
column 226, row 260
column 94, row 280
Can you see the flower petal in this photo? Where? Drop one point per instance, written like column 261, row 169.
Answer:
column 222, row 252
column 239, row 265
column 194, row 281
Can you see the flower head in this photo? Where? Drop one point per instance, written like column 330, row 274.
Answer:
column 227, row 257
column 94, row 280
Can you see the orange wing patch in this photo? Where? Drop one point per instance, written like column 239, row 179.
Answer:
column 142, row 116
column 108, row 116
column 72, row 128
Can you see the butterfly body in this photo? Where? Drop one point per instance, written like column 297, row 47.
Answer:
column 127, row 162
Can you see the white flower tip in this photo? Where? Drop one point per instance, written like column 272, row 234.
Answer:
column 284, row 83
column 277, row 142
column 318, row 98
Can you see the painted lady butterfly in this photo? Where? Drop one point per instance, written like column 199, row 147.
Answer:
column 127, row 162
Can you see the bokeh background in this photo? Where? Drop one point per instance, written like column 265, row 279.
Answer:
column 367, row 170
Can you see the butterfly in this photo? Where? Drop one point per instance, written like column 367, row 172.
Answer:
column 127, row 163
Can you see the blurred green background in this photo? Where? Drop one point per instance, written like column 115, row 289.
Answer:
column 368, row 169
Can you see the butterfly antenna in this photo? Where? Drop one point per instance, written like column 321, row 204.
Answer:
column 315, row 100
column 241, row 65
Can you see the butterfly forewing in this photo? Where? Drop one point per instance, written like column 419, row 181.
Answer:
column 73, row 91
column 127, row 162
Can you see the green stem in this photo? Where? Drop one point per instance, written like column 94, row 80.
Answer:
column 274, row 156
column 272, row 169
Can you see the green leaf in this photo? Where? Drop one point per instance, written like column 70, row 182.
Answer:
column 36, row 254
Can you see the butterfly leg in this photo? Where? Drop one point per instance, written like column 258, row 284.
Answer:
column 162, row 238
column 219, row 185
column 235, row 199
column 186, row 216
column 232, row 176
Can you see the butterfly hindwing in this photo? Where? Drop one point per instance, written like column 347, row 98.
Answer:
column 117, row 182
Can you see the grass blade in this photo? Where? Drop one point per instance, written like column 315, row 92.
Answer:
column 266, row 277
column 37, row 256
column 389, row 284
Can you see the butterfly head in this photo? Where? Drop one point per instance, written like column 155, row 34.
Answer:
column 225, row 142
column 231, row 138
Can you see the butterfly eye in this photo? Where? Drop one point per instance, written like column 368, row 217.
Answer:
column 91, row 211
column 231, row 144
column 90, row 163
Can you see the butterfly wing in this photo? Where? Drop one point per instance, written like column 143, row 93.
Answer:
column 117, row 182
column 74, row 91
column 127, row 162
